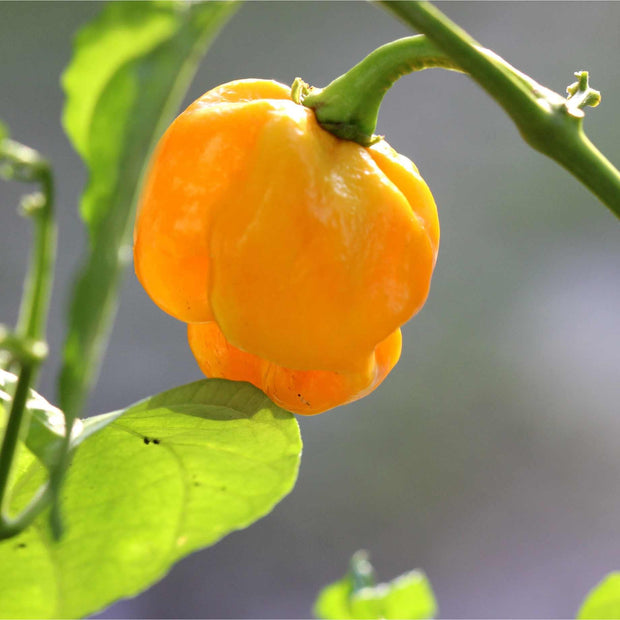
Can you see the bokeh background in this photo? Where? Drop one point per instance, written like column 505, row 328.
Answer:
column 489, row 457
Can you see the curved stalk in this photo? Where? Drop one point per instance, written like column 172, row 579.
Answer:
column 548, row 122
column 26, row 346
column 348, row 107
column 552, row 124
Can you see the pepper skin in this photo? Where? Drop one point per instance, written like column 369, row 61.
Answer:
column 294, row 256
column 302, row 391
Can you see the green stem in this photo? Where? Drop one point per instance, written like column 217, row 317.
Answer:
column 511, row 88
column 10, row 526
column 361, row 571
column 26, row 346
column 548, row 122
column 12, row 433
column 348, row 106
column 35, row 301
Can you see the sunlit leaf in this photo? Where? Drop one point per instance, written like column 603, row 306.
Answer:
column 603, row 601
column 170, row 475
column 408, row 596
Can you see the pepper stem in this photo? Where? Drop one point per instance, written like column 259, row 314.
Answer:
column 348, row 107
column 548, row 122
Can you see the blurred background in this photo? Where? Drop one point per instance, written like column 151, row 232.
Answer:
column 489, row 457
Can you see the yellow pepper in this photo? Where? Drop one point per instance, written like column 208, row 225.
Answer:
column 293, row 255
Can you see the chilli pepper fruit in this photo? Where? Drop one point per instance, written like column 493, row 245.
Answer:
column 301, row 391
column 304, row 250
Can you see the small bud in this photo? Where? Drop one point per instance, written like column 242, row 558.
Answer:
column 580, row 94
column 31, row 204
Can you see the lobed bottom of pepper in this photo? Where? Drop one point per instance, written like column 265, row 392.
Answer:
column 306, row 392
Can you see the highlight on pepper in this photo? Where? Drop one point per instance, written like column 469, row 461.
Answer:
column 294, row 256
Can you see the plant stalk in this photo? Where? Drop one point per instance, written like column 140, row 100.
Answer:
column 548, row 122
column 26, row 346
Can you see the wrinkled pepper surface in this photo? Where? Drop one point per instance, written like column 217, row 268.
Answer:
column 293, row 255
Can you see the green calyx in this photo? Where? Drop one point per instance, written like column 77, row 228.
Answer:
column 355, row 128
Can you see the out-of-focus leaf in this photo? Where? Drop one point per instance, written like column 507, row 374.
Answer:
column 333, row 601
column 603, row 601
column 130, row 70
column 408, row 596
column 4, row 131
column 169, row 475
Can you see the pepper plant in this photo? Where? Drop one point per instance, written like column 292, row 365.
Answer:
column 97, row 509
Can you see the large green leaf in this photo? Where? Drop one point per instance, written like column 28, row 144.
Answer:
column 603, row 601
column 169, row 475
column 129, row 73
column 408, row 596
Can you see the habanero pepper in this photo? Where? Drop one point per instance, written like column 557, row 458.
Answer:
column 293, row 255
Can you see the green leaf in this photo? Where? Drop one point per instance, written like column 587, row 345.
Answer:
column 408, row 596
column 4, row 131
column 603, row 601
column 47, row 423
column 333, row 601
column 166, row 477
column 130, row 71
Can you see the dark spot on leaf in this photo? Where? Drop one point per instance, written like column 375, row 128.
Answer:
column 20, row 545
column 156, row 442
column 196, row 484
column 223, row 488
column 147, row 441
